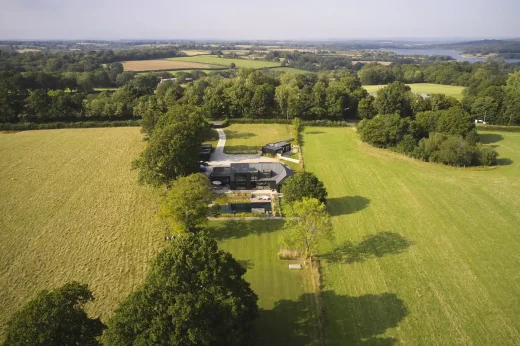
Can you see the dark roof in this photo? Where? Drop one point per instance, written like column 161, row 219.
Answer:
column 277, row 145
column 221, row 172
column 278, row 171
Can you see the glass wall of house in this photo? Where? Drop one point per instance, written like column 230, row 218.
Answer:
column 241, row 181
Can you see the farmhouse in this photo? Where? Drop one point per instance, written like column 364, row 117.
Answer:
column 276, row 148
column 252, row 176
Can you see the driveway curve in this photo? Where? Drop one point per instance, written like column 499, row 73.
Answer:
column 219, row 158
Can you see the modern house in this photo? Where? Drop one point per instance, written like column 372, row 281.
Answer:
column 276, row 148
column 252, row 176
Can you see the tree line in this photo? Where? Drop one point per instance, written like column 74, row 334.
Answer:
column 245, row 93
column 436, row 129
column 449, row 73
column 78, row 61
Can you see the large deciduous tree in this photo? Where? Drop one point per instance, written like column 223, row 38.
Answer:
column 485, row 108
column 185, row 206
column 173, row 148
column 394, row 98
column 307, row 224
column 303, row 184
column 194, row 294
column 455, row 121
column 55, row 318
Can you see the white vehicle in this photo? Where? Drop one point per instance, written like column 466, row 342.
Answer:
column 264, row 198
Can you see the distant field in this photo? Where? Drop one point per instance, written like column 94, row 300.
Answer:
column 236, row 51
column 161, row 65
column 213, row 60
column 251, row 137
column 191, row 71
column 385, row 63
column 290, row 70
column 428, row 88
column 424, row 254
column 196, row 52
column 71, row 209
column 105, row 89
column 25, row 50
column 286, row 299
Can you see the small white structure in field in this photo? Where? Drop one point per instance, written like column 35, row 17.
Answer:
column 295, row 266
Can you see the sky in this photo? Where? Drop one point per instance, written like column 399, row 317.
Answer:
column 258, row 20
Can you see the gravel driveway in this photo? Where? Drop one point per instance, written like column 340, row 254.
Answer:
column 219, row 158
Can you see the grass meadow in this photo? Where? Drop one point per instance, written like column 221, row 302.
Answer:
column 424, row 254
column 241, row 138
column 72, row 210
column 161, row 65
column 286, row 297
column 290, row 70
column 214, row 60
column 428, row 88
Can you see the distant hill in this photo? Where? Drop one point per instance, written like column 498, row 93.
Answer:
column 502, row 47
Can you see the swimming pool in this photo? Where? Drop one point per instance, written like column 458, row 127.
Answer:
column 244, row 207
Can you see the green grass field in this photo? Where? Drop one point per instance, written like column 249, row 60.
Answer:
column 290, row 70
column 424, row 254
column 240, row 63
column 286, row 299
column 428, row 88
column 242, row 138
column 72, row 210
column 191, row 71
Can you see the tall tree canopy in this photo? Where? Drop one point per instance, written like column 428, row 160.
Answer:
column 173, row 148
column 194, row 294
column 185, row 206
column 55, row 318
column 303, row 184
column 307, row 224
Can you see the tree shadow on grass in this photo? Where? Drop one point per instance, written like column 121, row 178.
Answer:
column 246, row 264
column 239, row 134
column 504, row 162
column 488, row 138
column 223, row 230
column 354, row 321
column 372, row 246
column 346, row 205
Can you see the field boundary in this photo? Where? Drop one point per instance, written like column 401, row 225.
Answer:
column 320, row 309
column 499, row 128
column 68, row 125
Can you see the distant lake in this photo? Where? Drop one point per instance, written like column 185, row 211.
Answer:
column 454, row 54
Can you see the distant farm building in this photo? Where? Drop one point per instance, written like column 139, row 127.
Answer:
column 167, row 79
